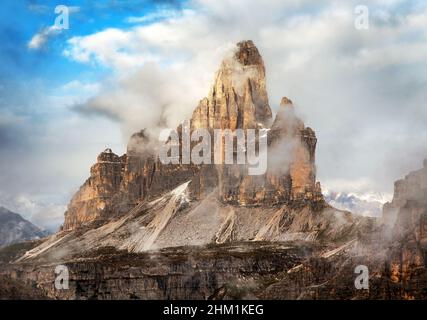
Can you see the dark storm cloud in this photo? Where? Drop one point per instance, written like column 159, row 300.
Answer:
column 93, row 108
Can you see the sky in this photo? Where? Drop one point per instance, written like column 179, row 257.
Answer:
column 67, row 94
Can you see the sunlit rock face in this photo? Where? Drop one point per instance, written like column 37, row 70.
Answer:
column 94, row 200
column 299, row 142
column 238, row 97
column 237, row 100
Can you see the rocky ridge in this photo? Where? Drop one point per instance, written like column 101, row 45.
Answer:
column 14, row 228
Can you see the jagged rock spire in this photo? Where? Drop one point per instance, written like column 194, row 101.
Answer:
column 286, row 120
column 238, row 98
column 108, row 156
column 248, row 54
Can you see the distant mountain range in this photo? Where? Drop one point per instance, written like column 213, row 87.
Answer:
column 14, row 228
column 370, row 205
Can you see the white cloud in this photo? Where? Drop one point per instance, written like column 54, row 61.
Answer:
column 81, row 87
column 38, row 8
column 39, row 40
column 47, row 150
column 73, row 9
column 111, row 47
column 156, row 15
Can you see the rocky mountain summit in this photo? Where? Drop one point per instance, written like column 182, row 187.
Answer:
column 14, row 228
column 140, row 229
column 237, row 100
column 135, row 202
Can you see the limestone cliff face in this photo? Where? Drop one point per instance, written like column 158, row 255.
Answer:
column 94, row 200
column 237, row 100
column 289, row 130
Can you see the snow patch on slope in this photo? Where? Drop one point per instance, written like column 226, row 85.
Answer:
column 144, row 238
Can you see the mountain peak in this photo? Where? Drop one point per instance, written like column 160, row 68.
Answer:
column 248, row 53
column 108, row 156
column 238, row 97
column 286, row 119
column 14, row 228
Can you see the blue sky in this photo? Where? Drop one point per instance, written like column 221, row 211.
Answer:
column 20, row 20
column 126, row 65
